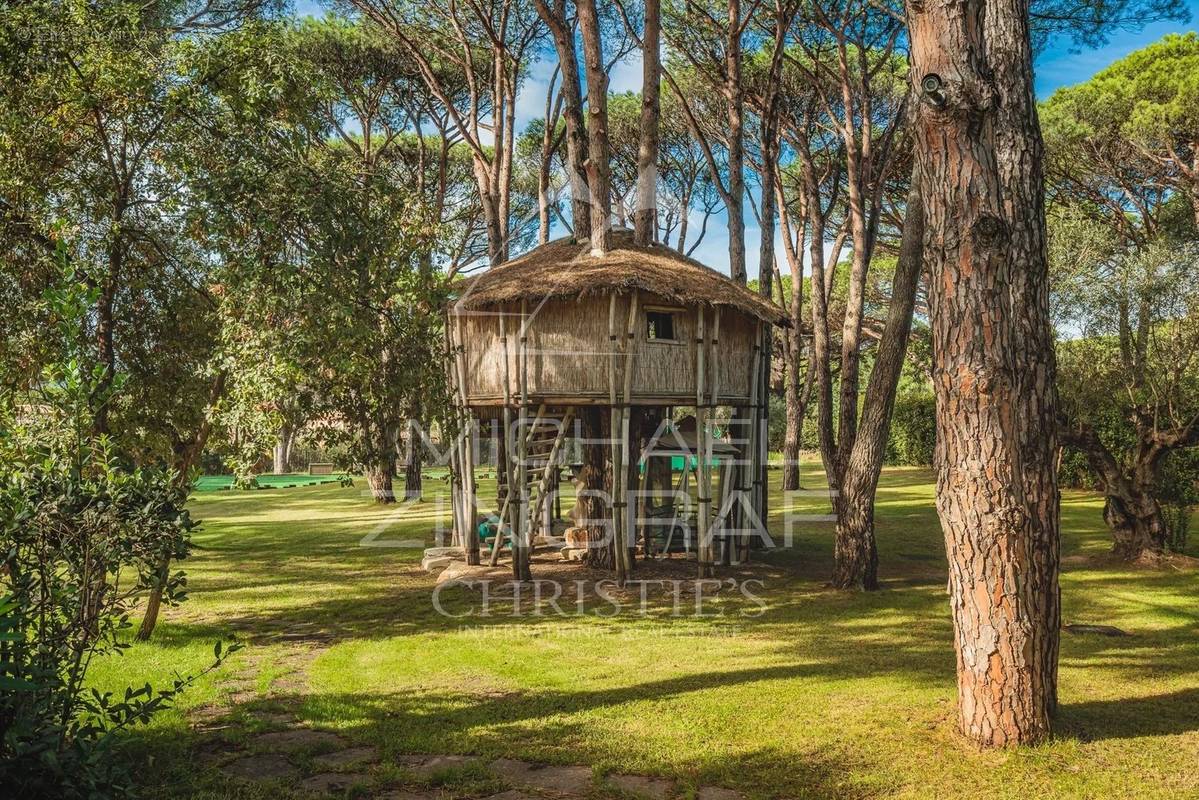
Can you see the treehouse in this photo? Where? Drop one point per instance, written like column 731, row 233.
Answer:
column 562, row 345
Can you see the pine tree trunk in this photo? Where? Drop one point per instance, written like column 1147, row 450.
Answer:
column 855, row 550
column 282, row 450
column 646, row 217
column 591, row 507
column 599, row 152
column 413, row 487
column 793, row 435
column 994, row 485
column 379, row 479
column 572, row 113
column 1019, row 153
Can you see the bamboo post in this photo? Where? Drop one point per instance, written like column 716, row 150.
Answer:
column 703, row 483
column 506, row 509
column 470, row 537
column 626, row 525
column 748, row 485
column 713, row 402
column 761, row 416
column 520, row 550
column 455, row 461
column 728, row 471
column 614, row 427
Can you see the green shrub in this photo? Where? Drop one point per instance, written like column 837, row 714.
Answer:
column 81, row 531
column 1178, row 493
column 913, row 430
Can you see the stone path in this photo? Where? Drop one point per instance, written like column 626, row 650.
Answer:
column 322, row 763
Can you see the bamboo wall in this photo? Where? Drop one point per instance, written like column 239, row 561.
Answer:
column 569, row 351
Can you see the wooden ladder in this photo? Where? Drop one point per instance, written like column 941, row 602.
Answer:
column 541, row 452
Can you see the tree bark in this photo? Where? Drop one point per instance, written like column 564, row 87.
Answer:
column 282, row 450
column 1139, row 530
column 599, row 161
column 1132, row 513
column 379, row 479
column 646, row 217
column 999, row 520
column 733, row 91
column 591, row 508
column 855, row 550
column 412, row 464
column 572, row 113
column 1020, row 155
column 187, row 461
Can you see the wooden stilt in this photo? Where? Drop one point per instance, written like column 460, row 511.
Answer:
column 703, row 481
column 506, row 526
column 470, row 532
column 520, row 537
column 762, row 485
column 750, row 467
column 626, row 509
column 614, row 428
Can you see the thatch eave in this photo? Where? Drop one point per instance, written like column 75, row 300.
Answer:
column 566, row 268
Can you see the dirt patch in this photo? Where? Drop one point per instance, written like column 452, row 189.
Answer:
column 265, row 766
column 296, row 739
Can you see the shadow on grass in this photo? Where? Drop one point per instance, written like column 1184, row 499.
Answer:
column 1129, row 718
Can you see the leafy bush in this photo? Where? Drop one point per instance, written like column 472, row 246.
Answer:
column 80, row 533
column 913, row 430
column 1178, row 493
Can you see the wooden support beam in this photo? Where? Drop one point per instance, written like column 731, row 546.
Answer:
column 626, row 522
column 520, row 542
column 703, row 481
column 470, row 532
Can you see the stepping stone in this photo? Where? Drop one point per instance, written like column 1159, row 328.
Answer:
column 716, row 793
column 265, row 766
column 330, row 782
column 298, row 739
column 569, row 780
column 276, row 718
column 461, row 571
column 427, row 766
column 344, row 758
column 442, row 551
column 435, row 563
column 654, row 788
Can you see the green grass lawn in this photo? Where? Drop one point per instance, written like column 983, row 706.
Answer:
column 213, row 483
column 826, row 694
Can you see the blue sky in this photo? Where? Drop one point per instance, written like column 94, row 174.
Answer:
column 1057, row 66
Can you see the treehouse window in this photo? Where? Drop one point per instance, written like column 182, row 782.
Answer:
column 659, row 326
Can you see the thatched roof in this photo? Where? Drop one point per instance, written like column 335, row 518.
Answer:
column 566, row 268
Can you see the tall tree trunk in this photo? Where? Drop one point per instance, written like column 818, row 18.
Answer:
column 645, row 218
column 733, row 92
column 412, row 463
column 282, row 450
column 1130, row 510
column 590, row 507
column 1002, row 560
column 855, row 550
column 380, row 470
column 572, row 112
column 1138, row 527
column 1019, row 153
column 793, row 340
column 599, row 162
column 188, row 460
